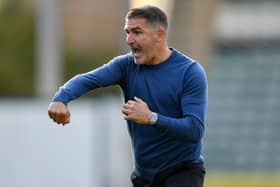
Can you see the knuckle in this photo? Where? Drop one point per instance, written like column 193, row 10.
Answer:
column 50, row 111
column 60, row 114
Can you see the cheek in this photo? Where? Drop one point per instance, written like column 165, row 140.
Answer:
column 142, row 41
column 149, row 44
column 145, row 41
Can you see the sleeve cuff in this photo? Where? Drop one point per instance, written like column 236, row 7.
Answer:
column 61, row 96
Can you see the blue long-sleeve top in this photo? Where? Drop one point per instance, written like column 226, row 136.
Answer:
column 175, row 89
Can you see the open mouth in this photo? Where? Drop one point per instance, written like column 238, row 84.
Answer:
column 136, row 51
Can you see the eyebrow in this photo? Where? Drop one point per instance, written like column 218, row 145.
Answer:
column 133, row 29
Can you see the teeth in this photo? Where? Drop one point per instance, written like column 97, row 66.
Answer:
column 135, row 50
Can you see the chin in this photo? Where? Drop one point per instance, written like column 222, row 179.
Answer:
column 139, row 62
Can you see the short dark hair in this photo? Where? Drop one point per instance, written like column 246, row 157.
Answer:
column 152, row 14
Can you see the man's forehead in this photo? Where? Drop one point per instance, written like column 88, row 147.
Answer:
column 135, row 23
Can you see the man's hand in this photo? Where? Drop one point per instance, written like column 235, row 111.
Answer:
column 137, row 111
column 59, row 112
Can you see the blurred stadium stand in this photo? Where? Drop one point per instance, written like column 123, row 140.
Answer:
column 243, row 114
column 244, row 89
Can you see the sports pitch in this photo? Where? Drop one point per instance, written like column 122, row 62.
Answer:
column 242, row 180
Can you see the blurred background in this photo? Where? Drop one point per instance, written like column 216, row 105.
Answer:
column 45, row 42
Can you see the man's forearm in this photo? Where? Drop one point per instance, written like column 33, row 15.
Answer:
column 185, row 129
column 73, row 89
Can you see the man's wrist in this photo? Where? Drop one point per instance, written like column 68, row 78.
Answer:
column 152, row 118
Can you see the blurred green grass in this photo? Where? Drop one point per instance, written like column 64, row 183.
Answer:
column 242, row 180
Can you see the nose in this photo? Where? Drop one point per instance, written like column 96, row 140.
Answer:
column 129, row 39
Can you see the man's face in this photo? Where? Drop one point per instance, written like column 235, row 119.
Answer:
column 141, row 37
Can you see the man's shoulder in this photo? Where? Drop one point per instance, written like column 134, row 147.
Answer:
column 182, row 61
column 188, row 64
column 124, row 58
column 125, row 62
column 183, row 57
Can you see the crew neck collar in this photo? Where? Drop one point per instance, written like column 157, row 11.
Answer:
column 163, row 63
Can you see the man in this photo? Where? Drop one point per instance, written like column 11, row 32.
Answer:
column 165, row 96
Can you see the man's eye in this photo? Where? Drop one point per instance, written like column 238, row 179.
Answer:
column 137, row 32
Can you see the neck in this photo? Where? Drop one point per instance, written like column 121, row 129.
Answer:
column 163, row 54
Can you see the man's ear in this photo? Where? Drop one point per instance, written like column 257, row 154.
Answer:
column 160, row 33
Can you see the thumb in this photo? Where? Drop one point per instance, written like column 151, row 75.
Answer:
column 67, row 118
column 138, row 99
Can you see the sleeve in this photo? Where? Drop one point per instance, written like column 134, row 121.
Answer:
column 111, row 73
column 193, row 104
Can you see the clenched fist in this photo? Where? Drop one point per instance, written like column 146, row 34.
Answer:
column 137, row 111
column 59, row 112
